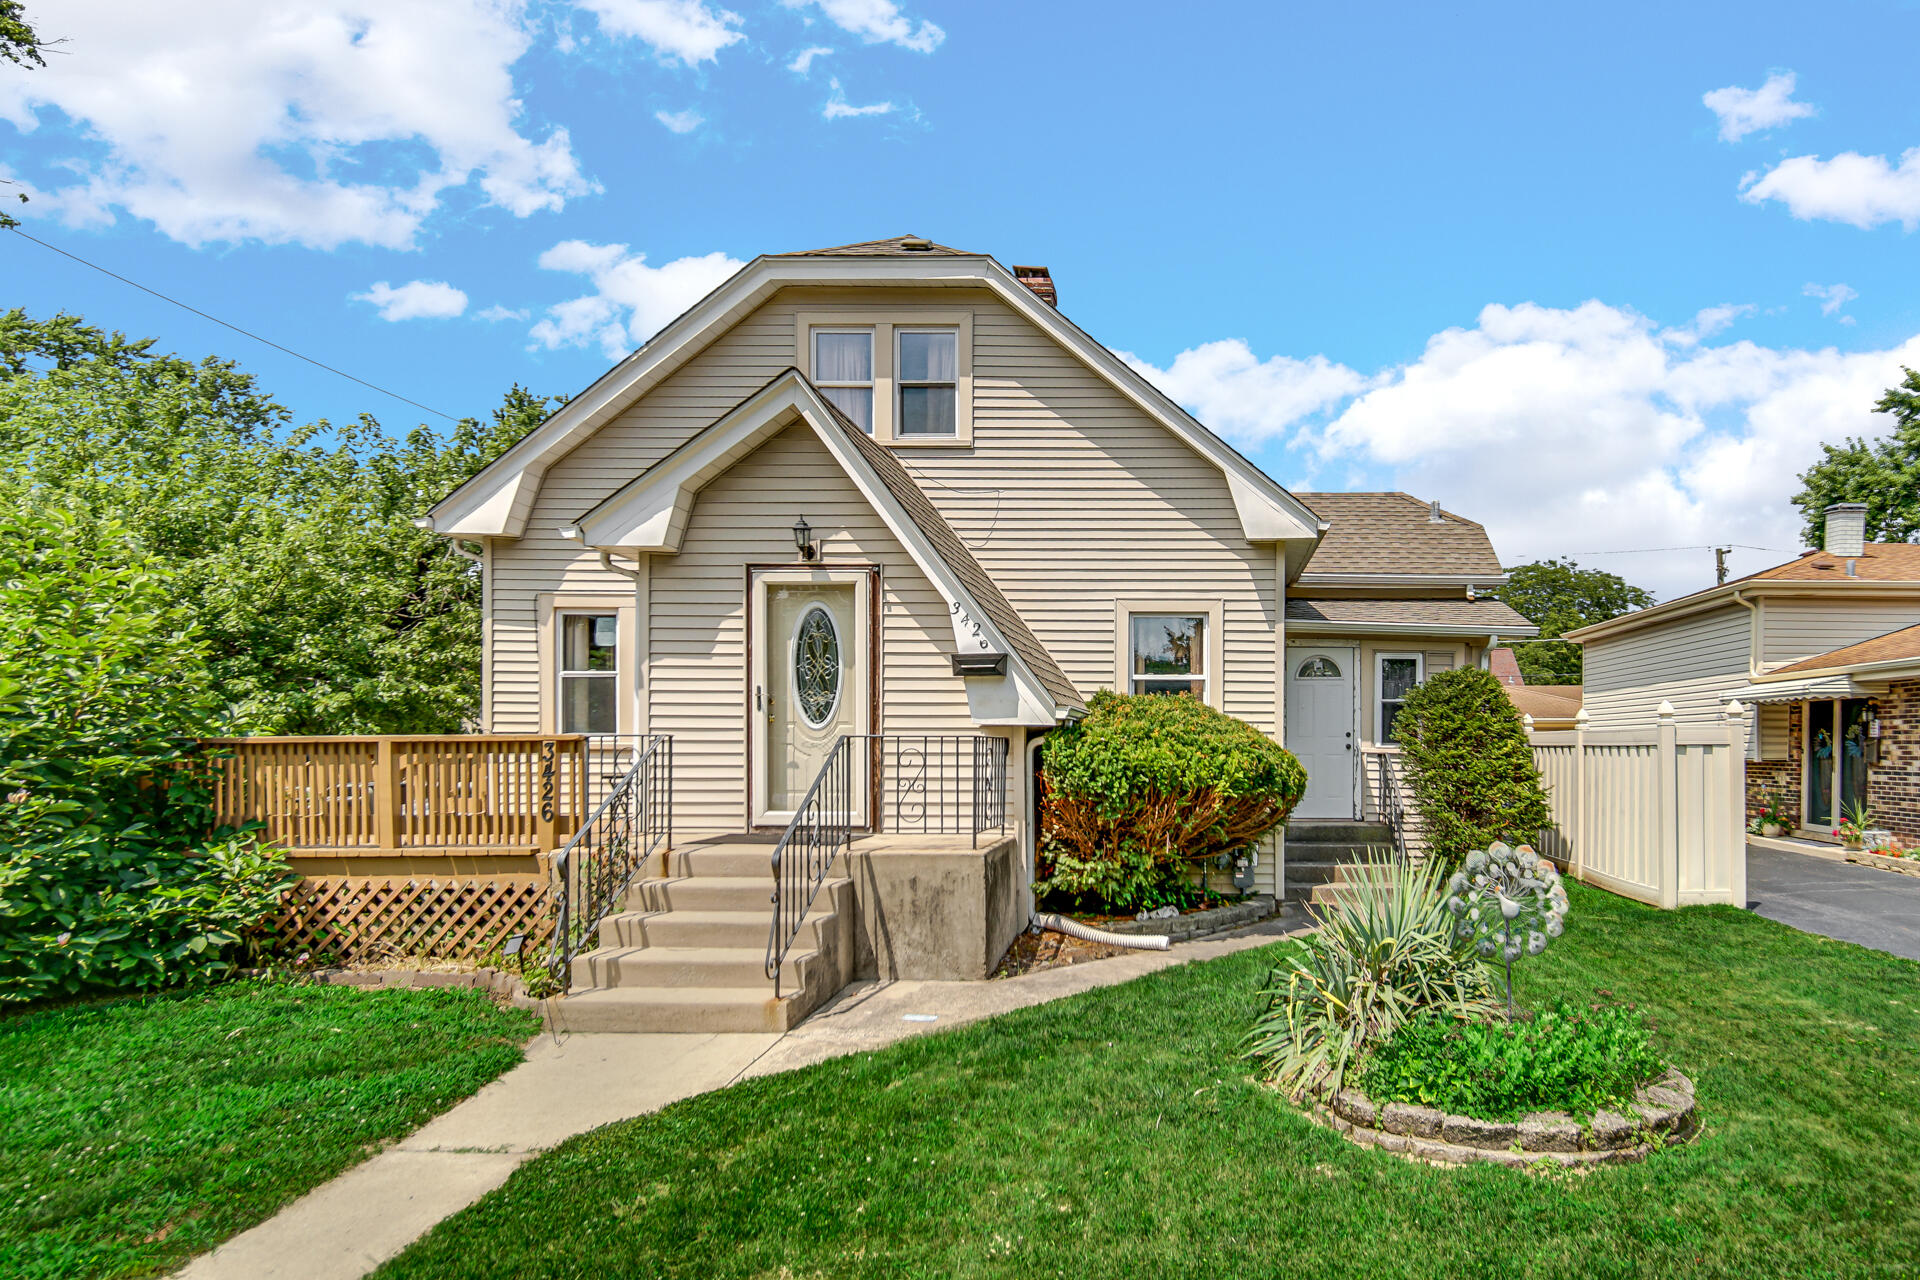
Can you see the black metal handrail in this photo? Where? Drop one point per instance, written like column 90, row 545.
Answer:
column 591, row 874
column 922, row 784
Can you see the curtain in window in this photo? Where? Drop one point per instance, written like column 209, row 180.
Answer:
column 929, row 357
column 843, row 357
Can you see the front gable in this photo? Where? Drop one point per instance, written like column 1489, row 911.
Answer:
column 499, row 501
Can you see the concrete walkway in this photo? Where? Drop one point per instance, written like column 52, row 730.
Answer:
column 571, row 1083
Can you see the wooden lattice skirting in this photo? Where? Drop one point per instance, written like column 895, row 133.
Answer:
column 349, row 919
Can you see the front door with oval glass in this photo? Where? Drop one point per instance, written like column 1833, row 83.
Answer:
column 809, row 687
column 1320, row 719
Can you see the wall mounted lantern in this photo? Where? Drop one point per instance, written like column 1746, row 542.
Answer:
column 803, row 539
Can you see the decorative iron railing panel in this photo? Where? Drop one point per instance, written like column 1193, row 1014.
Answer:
column 920, row 784
column 591, row 874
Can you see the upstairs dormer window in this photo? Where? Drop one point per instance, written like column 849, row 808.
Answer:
column 843, row 370
column 929, row 374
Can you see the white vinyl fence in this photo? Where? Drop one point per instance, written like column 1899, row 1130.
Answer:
column 1657, row 814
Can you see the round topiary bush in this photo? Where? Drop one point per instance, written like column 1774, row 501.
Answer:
column 1469, row 764
column 1146, row 788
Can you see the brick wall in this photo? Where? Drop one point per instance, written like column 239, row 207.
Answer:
column 1778, row 778
column 1893, row 784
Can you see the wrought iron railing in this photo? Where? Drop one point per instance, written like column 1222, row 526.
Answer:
column 906, row 784
column 591, row 874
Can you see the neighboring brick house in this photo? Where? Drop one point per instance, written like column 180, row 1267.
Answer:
column 1881, row 747
column 1823, row 648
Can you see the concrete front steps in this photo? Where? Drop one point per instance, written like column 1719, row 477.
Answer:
column 1318, row 849
column 1346, row 879
column 689, row 951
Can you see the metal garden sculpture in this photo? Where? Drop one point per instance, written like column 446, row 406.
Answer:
column 1508, row 902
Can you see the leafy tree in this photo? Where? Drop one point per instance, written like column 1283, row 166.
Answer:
column 293, row 548
column 1469, row 764
column 1884, row 473
column 1559, row 596
column 107, row 874
column 19, row 43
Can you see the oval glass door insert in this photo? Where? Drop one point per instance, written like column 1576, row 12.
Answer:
column 816, row 666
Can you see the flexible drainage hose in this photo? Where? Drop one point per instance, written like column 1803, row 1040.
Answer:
column 1074, row 929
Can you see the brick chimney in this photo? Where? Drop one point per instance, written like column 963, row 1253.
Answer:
column 1505, row 667
column 1040, row 280
column 1847, row 530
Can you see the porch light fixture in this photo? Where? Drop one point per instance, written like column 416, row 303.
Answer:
column 803, row 539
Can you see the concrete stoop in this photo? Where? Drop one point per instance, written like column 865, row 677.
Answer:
column 689, row 951
column 1317, row 851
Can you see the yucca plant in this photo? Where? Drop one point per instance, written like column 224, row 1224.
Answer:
column 1385, row 950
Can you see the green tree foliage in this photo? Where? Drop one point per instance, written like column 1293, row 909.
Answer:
column 1559, row 596
column 19, row 43
column 1469, row 764
column 292, row 547
column 1883, row 473
column 1149, row 786
column 107, row 875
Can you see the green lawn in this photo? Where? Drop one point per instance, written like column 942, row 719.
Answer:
column 138, row 1132
column 1117, row 1135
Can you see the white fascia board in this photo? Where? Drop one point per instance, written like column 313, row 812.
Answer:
column 496, row 501
column 1456, row 630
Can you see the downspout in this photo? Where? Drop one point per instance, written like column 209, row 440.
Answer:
column 1753, row 633
column 606, row 562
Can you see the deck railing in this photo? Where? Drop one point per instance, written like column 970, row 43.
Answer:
column 591, row 875
column 405, row 793
column 908, row 784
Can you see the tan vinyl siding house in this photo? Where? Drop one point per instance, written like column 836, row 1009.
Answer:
column 1069, row 499
column 1691, row 662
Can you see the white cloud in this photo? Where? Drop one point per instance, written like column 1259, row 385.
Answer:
column 1247, row 399
column 319, row 122
column 1832, row 298
column 803, row 61
column 687, row 31
column 1863, row 190
column 1745, row 111
column 415, row 300
column 1563, row 430
column 838, row 108
column 496, row 313
column 877, row 22
column 680, row 121
column 631, row 301
column 1707, row 322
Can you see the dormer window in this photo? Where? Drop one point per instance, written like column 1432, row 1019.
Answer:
column 929, row 372
column 843, row 370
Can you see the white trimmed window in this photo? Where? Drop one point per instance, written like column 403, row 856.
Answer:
column 927, row 366
column 1167, row 653
column 589, row 693
column 1394, row 676
column 843, row 370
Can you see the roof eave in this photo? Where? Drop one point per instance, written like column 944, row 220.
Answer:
column 1730, row 593
column 1451, row 629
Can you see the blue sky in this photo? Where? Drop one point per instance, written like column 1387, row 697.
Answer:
column 1505, row 256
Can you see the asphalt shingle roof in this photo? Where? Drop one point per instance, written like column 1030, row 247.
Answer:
column 1891, row 647
column 891, row 247
column 1391, row 533
column 1469, row 615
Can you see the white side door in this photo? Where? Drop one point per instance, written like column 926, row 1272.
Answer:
column 810, row 684
column 1320, row 728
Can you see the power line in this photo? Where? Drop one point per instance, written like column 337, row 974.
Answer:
column 247, row 333
column 1699, row 546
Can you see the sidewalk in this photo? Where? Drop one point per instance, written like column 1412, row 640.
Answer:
column 571, row 1083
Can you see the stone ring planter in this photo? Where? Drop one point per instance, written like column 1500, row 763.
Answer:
column 1662, row 1114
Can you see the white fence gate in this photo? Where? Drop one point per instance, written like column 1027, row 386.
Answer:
column 1656, row 814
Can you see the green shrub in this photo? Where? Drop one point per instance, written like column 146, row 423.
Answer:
column 107, row 873
column 1385, row 952
column 1566, row 1059
column 1150, row 786
column 1469, row 764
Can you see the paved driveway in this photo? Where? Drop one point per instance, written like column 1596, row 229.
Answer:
column 1879, row 909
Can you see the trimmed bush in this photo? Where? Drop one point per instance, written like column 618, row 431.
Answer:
column 1148, row 787
column 1469, row 764
column 1567, row 1058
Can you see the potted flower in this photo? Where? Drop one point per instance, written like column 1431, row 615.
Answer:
column 1853, row 828
column 1772, row 819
